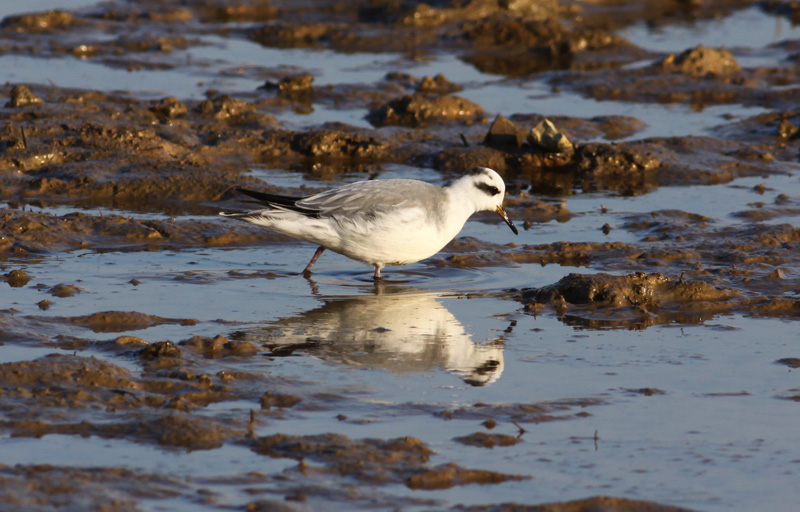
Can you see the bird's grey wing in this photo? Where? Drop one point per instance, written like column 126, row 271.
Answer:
column 372, row 198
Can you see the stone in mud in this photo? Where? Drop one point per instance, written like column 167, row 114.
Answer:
column 702, row 61
column 119, row 321
column 646, row 391
column 85, row 51
column 614, row 159
column 418, row 110
column 169, row 108
column 484, row 440
column 401, row 460
column 504, row 134
column 791, row 362
column 160, row 350
column 480, row 9
column 21, row 96
column 264, row 505
column 617, row 127
column 372, row 460
column 169, row 15
column 250, row 11
column 17, row 278
column 270, row 399
column 778, row 273
column 41, row 487
column 296, row 86
column 638, row 289
column 228, row 109
column 537, row 412
column 220, row 346
column 661, row 224
column 547, row 137
column 213, row 345
column 65, row 370
column 290, row 35
column 450, row 475
column 190, row 432
column 437, row 85
column 776, row 307
column 593, row 504
column 616, row 167
column 786, row 130
column 335, row 144
column 508, row 31
column 64, row 290
column 127, row 341
column 534, row 210
column 331, row 447
column 537, row 9
column 39, row 22
column 436, row 14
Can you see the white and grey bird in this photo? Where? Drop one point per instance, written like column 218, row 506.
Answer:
column 382, row 222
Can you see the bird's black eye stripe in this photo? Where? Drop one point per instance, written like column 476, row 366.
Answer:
column 489, row 189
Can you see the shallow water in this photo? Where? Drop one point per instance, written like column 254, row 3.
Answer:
column 693, row 414
column 717, row 438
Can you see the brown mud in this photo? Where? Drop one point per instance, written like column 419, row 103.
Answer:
column 134, row 157
column 402, row 460
column 599, row 503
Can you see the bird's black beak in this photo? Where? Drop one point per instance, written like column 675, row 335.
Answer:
column 502, row 213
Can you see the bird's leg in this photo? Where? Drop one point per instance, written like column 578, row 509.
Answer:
column 317, row 254
column 377, row 275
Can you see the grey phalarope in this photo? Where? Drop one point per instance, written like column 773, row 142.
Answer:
column 382, row 222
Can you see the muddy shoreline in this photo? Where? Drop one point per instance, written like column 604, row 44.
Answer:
column 91, row 171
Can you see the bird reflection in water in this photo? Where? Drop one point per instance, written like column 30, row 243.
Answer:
column 398, row 332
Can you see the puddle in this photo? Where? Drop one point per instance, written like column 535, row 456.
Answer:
column 746, row 28
column 75, row 73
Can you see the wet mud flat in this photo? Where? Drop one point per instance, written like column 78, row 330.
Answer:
column 634, row 349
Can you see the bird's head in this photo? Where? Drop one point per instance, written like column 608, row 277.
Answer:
column 487, row 189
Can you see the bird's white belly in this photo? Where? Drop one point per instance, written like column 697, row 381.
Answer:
column 400, row 250
column 394, row 239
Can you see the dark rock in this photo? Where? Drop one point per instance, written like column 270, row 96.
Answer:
column 21, row 96
column 504, row 134
column 18, row 278
column 702, row 61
